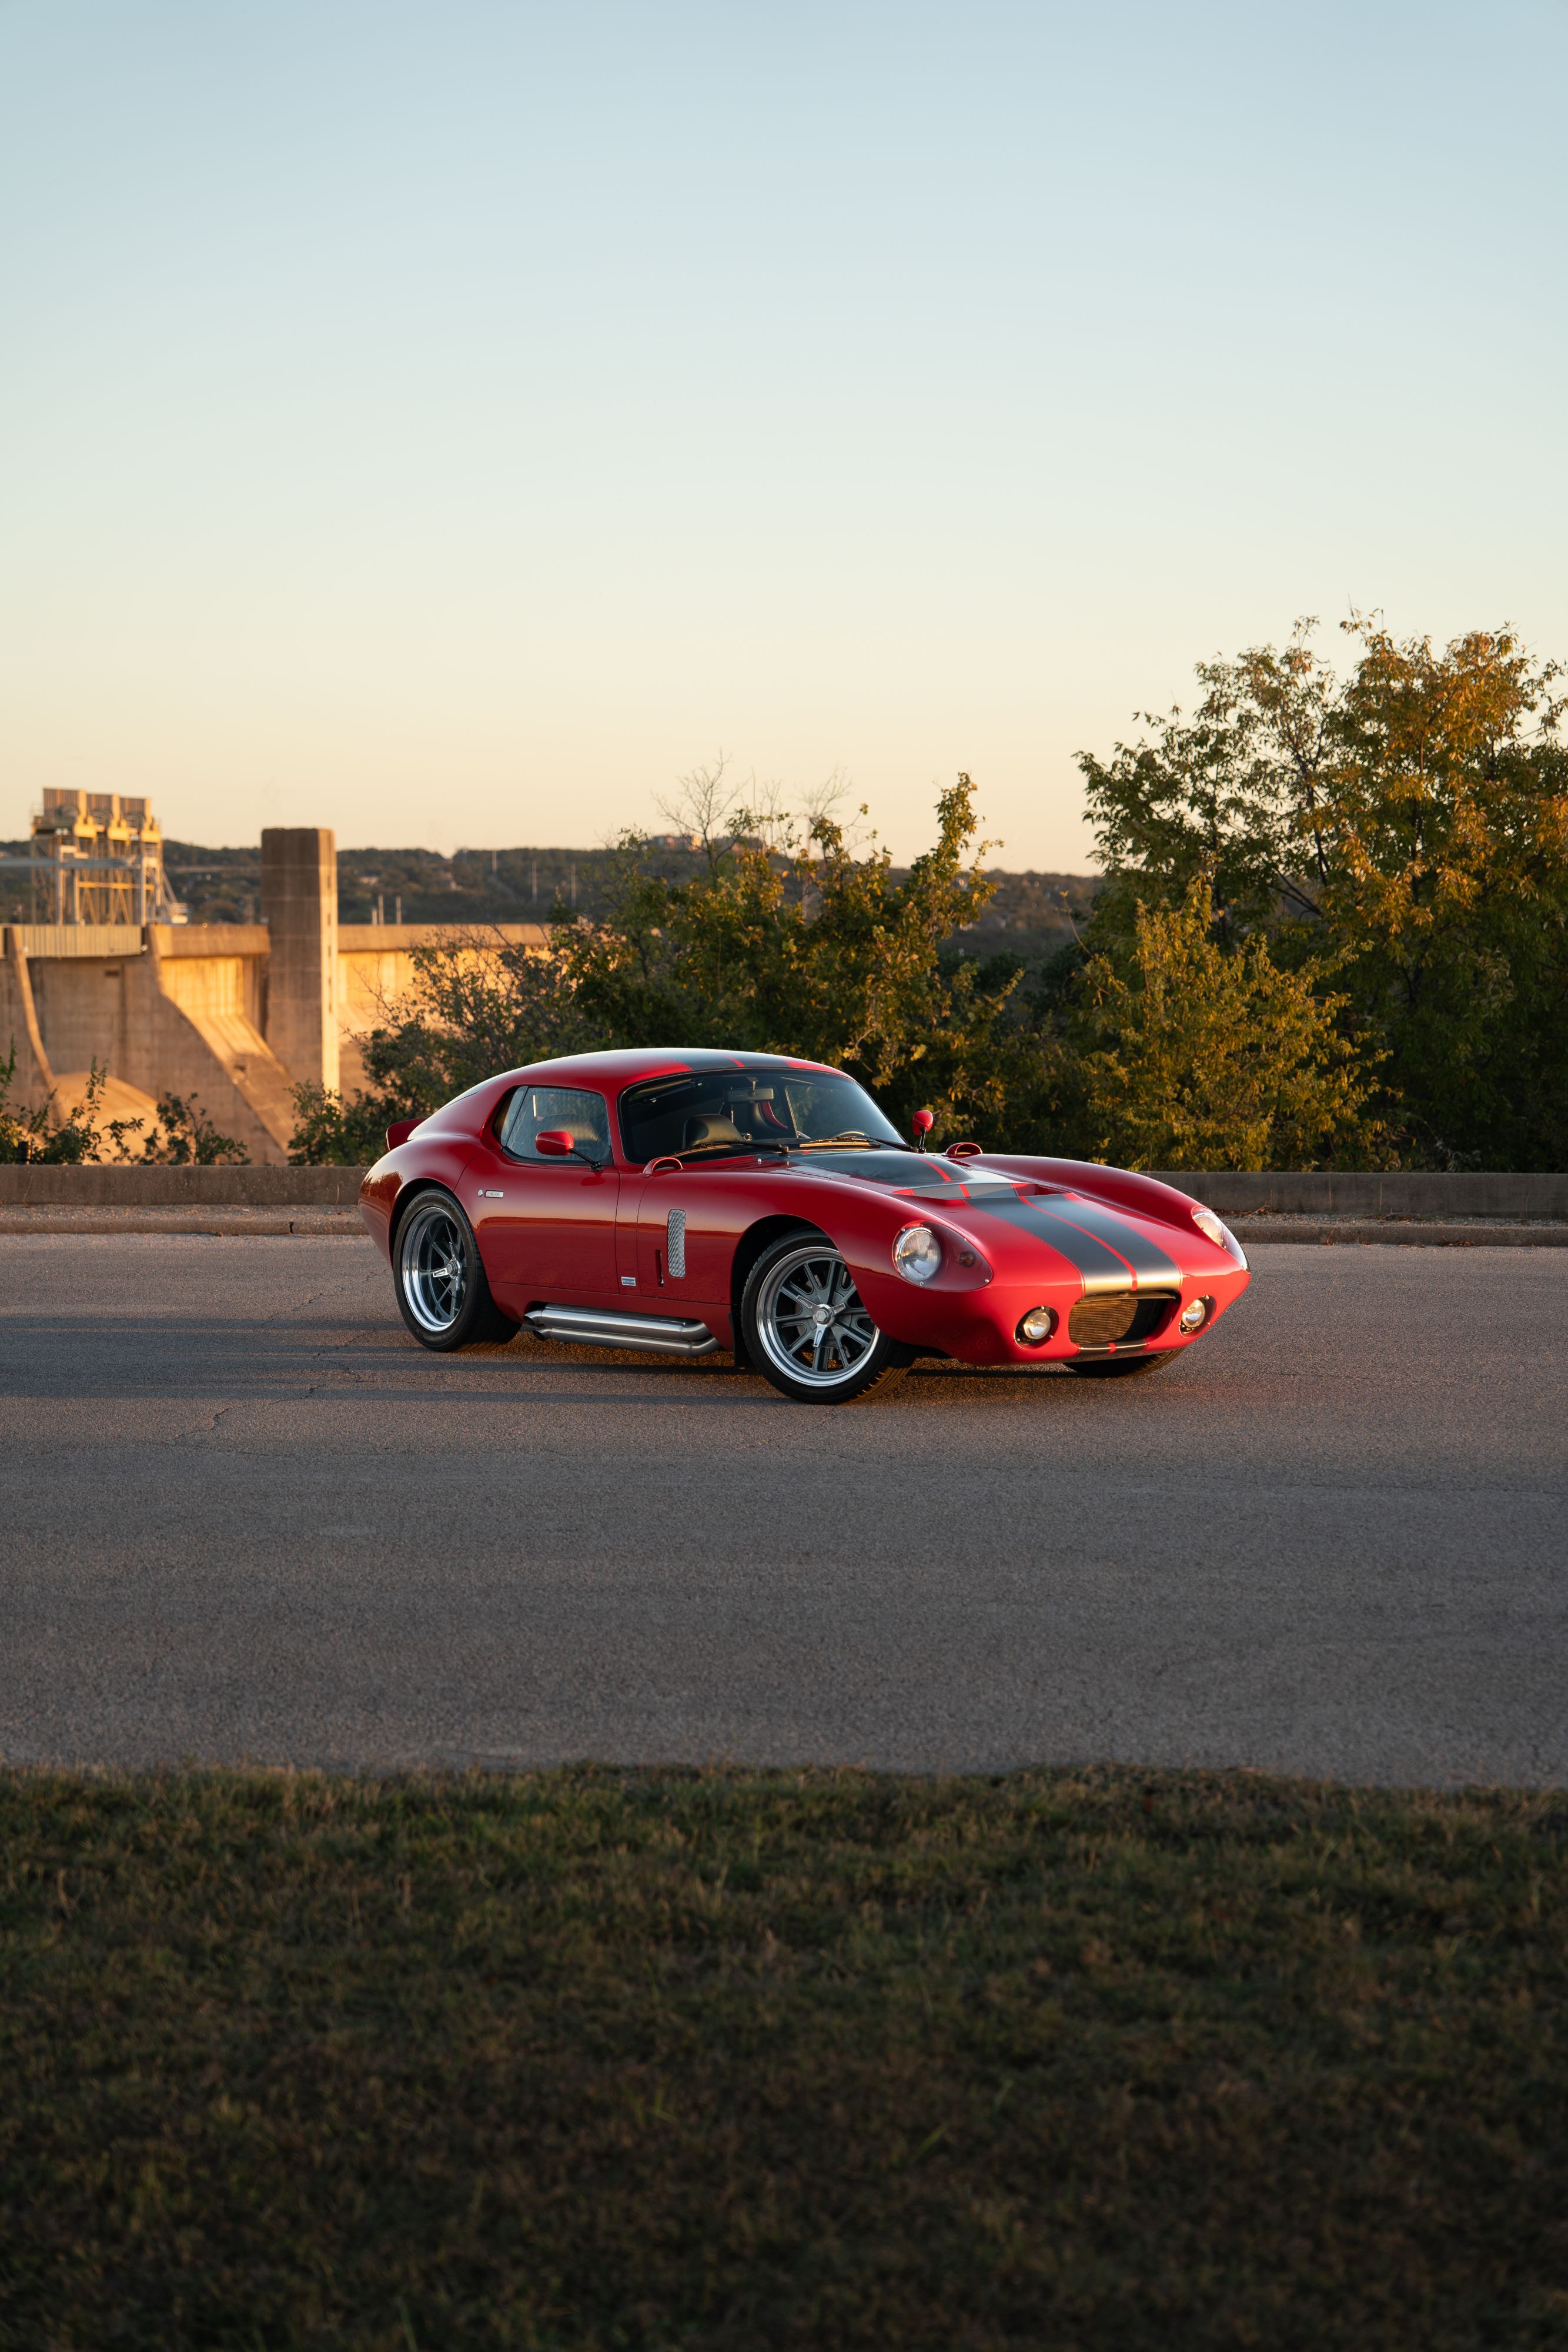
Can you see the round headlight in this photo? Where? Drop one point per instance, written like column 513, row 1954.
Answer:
column 1213, row 1230
column 1194, row 1315
column 1037, row 1326
column 917, row 1254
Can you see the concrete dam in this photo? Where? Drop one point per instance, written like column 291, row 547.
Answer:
column 236, row 1014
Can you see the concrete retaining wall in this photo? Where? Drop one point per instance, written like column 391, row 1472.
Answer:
column 202, row 1188
column 1413, row 1195
column 1508, row 1198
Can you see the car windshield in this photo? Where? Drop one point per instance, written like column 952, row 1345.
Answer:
column 705, row 1112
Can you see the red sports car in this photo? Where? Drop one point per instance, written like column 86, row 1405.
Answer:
column 688, row 1201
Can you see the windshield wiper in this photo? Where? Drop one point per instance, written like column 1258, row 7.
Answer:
column 853, row 1135
column 728, row 1151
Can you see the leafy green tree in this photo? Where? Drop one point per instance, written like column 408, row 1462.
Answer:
column 786, row 939
column 1444, row 852
column 336, row 1130
column 32, row 1135
column 1407, row 827
column 1217, row 1058
column 799, row 944
column 180, row 1133
column 476, row 1004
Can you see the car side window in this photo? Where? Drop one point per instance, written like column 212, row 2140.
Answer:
column 584, row 1118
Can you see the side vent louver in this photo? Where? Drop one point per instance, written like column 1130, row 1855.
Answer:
column 675, row 1244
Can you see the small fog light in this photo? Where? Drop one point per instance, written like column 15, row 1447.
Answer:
column 1194, row 1315
column 1037, row 1326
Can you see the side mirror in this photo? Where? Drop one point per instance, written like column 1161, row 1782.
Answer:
column 399, row 1132
column 554, row 1143
column 922, row 1122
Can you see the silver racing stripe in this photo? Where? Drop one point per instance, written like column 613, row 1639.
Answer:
column 1109, row 1252
column 1153, row 1270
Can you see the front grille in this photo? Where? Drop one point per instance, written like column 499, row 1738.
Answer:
column 1126, row 1318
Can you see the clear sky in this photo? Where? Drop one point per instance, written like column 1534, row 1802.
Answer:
column 450, row 422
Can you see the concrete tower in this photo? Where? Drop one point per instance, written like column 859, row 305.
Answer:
column 300, row 906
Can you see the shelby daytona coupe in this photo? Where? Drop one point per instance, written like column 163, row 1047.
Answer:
column 689, row 1201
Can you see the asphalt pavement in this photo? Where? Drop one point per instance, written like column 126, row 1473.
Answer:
column 242, row 1517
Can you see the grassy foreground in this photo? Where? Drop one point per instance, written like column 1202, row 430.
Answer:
column 596, row 2059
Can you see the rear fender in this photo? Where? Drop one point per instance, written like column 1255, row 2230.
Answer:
column 391, row 1186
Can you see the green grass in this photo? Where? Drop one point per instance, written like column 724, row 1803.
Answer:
column 720, row 2059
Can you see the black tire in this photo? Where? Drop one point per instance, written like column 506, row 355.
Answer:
column 439, row 1278
column 1122, row 1368
column 812, row 1357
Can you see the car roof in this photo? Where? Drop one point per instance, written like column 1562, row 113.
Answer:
column 622, row 1067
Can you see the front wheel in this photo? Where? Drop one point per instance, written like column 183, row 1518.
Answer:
column 442, row 1293
column 806, row 1330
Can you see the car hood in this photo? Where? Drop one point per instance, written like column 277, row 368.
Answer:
column 1110, row 1249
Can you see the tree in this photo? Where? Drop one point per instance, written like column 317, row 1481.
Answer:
column 789, row 939
column 1217, row 1058
column 476, row 1005
column 796, row 943
column 181, row 1131
column 1445, row 858
column 33, row 1135
column 1409, row 828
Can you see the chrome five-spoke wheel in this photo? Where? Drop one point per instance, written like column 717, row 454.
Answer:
column 441, row 1288
column 807, row 1329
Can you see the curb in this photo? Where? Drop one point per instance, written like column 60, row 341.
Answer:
column 1407, row 1233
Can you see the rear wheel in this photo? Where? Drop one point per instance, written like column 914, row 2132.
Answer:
column 442, row 1293
column 1122, row 1368
column 806, row 1330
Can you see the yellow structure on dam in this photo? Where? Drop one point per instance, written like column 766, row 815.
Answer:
column 236, row 1014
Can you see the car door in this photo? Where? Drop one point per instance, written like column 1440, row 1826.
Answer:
column 678, row 1231
column 546, row 1227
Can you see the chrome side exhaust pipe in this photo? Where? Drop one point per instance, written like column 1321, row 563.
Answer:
column 602, row 1327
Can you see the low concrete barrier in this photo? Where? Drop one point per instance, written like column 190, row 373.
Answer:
column 1512, row 1199
column 179, row 1188
column 213, row 1224
column 1517, row 1198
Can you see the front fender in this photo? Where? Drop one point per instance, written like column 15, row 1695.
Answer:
column 863, row 1223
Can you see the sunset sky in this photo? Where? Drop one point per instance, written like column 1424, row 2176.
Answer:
column 450, row 422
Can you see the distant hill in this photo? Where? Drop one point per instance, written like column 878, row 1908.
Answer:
column 1031, row 914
